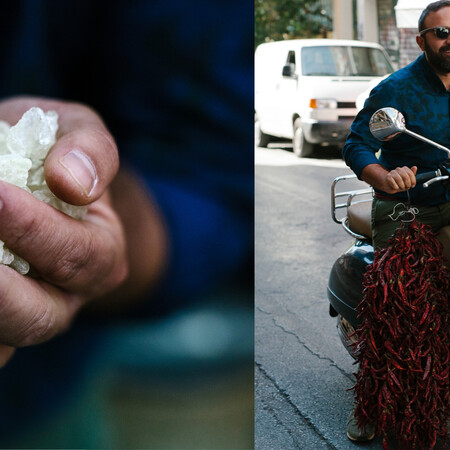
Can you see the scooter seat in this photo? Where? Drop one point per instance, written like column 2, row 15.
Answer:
column 359, row 217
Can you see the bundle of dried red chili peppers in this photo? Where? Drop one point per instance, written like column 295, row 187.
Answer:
column 403, row 381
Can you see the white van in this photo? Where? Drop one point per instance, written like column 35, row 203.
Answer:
column 306, row 89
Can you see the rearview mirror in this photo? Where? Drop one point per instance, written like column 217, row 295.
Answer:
column 289, row 71
column 387, row 123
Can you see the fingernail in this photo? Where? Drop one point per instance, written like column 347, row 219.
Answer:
column 81, row 169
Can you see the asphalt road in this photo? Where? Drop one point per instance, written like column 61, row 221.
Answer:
column 303, row 372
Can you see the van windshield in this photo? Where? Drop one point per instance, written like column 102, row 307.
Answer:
column 344, row 61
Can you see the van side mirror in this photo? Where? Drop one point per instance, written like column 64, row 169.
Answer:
column 289, row 71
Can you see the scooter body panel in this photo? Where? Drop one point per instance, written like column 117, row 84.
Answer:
column 345, row 281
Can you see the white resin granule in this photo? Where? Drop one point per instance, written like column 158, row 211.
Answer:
column 23, row 149
column 34, row 134
column 4, row 130
column 14, row 169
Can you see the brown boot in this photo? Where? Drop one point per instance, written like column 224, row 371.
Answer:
column 356, row 434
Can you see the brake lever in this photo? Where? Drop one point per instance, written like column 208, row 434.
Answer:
column 434, row 180
column 443, row 173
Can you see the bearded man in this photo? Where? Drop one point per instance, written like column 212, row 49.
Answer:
column 421, row 92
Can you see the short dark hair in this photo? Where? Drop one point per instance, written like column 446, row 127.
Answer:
column 432, row 7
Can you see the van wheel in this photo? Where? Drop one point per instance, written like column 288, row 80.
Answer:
column 301, row 146
column 261, row 139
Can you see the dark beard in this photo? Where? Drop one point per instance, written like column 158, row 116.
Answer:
column 440, row 62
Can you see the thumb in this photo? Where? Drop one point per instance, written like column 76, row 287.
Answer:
column 414, row 170
column 84, row 159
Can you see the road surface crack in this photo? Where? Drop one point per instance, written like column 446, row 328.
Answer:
column 287, row 398
column 310, row 350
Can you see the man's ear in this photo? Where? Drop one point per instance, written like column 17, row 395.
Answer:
column 420, row 42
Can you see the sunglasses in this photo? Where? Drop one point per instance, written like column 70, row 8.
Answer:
column 439, row 32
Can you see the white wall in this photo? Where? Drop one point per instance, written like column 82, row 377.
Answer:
column 343, row 19
column 367, row 20
column 407, row 12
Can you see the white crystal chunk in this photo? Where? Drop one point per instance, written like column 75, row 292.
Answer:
column 47, row 196
column 4, row 130
column 23, row 149
column 6, row 257
column 14, row 169
column 34, row 134
column 36, row 177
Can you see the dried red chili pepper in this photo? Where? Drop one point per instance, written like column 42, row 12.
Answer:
column 403, row 382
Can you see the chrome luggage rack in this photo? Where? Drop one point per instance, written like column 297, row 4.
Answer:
column 351, row 197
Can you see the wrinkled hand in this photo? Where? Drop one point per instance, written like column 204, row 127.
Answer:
column 400, row 179
column 76, row 261
column 391, row 182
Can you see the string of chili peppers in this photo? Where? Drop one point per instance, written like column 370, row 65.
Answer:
column 403, row 383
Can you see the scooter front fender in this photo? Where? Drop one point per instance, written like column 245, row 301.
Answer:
column 345, row 281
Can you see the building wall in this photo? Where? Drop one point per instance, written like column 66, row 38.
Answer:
column 389, row 36
column 351, row 17
column 408, row 45
column 367, row 20
column 400, row 43
column 343, row 20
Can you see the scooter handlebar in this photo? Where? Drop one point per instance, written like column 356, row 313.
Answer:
column 423, row 177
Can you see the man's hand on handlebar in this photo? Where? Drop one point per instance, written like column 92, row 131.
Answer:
column 400, row 179
column 391, row 182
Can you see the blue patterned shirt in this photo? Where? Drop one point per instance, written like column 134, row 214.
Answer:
column 419, row 94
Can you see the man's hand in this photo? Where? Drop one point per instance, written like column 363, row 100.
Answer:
column 400, row 179
column 75, row 261
column 84, row 159
column 397, row 180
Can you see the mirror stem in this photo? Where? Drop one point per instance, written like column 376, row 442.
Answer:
column 428, row 141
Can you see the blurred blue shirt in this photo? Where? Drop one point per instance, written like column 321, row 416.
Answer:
column 173, row 81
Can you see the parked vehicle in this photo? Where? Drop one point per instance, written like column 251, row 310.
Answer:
column 361, row 98
column 306, row 89
column 352, row 209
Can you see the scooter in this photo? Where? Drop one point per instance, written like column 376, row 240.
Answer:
column 351, row 208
